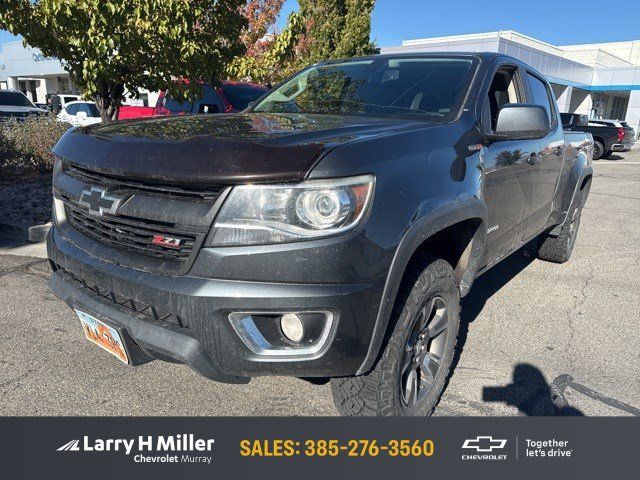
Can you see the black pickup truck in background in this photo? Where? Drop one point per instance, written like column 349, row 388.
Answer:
column 608, row 135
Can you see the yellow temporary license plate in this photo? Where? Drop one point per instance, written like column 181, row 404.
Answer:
column 103, row 335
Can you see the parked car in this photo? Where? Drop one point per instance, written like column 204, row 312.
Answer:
column 15, row 104
column 608, row 135
column 229, row 97
column 327, row 232
column 134, row 111
column 80, row 113
column 59, row 101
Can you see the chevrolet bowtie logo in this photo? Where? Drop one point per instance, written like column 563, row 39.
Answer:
column 484, row 444
column 99, row 202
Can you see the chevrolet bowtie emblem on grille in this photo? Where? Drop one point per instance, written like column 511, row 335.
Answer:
column 99, row 202
column 484, row 444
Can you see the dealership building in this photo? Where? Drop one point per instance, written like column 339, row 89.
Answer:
column 600, row 80
column 26, row 69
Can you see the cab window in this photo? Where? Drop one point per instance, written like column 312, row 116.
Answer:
column 542, row 96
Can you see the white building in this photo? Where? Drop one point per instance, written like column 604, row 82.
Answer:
column 26, row 69
column 600, row 80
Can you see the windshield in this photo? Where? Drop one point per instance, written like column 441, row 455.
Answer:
column 14, row 99
column 432, row 88
column 241, row 96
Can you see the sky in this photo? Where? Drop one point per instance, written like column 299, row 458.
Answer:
column 559, row 22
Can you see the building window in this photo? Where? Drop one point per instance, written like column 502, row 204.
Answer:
column 619, row 108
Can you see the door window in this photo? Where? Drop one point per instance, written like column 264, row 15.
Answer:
column 505, row 88
column 542, row 96
column 210, row 101
column 90, row 109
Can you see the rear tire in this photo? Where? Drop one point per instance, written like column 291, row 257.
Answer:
column 598, row 150
column 558, row 249
column 413, row 369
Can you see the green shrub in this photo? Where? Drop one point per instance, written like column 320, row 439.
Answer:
column 25, row 146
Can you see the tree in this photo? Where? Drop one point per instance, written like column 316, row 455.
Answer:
column 261, row 17
column 335, row 29
column 272, row 61
column 318, row 31
column 112, row 45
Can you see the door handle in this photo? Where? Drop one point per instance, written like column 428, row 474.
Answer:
column 534, row 158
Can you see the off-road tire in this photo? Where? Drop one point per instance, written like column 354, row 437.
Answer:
column 558, row 249
column 378, row 393
column 598, row 150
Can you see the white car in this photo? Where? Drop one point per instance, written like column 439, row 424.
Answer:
column 80, row 113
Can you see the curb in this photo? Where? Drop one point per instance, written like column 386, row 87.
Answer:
column 24, row 232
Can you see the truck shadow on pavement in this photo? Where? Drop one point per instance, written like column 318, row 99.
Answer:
column 529, row 391
column 612, row 158
column 531, row 394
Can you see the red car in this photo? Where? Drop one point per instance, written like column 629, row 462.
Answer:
column 229, row 97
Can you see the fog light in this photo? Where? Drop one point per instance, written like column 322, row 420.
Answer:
column 291, row 326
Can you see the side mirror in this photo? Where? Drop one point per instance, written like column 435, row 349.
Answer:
column 521, row 121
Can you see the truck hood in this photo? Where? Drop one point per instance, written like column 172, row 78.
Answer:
column 217, row 149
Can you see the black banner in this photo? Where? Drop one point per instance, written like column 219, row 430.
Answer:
column 310, row 448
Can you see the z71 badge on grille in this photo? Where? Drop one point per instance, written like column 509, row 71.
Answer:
column 168, row 242
column 99, row 202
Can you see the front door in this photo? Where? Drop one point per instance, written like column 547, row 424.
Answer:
column 509, row 189
column 510, row 169
column 550, row 162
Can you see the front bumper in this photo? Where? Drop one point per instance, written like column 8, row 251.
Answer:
column 186, row 318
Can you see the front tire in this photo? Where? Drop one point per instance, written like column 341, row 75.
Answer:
column 414, row 367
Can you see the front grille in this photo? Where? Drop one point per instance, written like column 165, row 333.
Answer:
column 133, row 307
column 129, row 234
column 157, row 189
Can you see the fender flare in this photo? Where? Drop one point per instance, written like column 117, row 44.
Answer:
column 421, row 230
column 581, row 169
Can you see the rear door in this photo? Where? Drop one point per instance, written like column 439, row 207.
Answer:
column 510, row 176
column 549, row 162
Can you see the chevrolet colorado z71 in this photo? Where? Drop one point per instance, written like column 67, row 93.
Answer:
column 328, row 231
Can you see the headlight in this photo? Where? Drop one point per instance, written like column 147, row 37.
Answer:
column 265, row 214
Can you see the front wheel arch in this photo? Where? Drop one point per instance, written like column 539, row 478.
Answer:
column 471, row 215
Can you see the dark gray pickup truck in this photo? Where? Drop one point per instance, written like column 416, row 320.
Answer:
column 608, row 135
column 327, row 232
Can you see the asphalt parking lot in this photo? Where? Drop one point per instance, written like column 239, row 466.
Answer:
column 535, row 332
